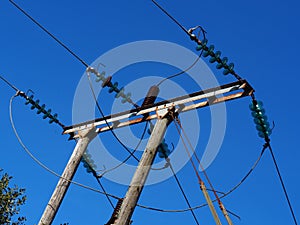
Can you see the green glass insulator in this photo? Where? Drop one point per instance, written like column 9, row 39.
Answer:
column 41, row 109
column 199, row 48
column 120, row 93
column 226, row 72
column 29, row 100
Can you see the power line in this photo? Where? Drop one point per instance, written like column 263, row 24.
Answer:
column 129, row 156
column 114, row 196
column 8, row 83
column 182, row 191
column 111, row 130
column 171, row 17
column 78, row 58
column 221, row 205
column 264, row 131
column 282, row 184
column 35, row 104
column 200, row 181
column 188, row 68
column 49, row 33
column 43, row 165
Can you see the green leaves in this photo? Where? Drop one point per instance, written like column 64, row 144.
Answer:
column 11, row 198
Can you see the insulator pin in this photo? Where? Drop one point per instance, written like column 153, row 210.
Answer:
column 151, row 96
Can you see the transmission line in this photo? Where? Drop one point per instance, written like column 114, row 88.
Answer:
column 282, row 184
column 49, row 33
column 182, row 191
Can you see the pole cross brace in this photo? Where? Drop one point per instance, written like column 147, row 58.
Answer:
column 185, row 103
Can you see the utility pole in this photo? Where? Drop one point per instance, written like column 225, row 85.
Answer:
column 164, row 112
column 138, row 181
column 86, row 136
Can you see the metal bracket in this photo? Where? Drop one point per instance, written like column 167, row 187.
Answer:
column 181, row 104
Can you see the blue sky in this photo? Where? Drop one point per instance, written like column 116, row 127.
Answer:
column 260, row 37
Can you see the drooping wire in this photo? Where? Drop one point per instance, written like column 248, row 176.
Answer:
column 22, row 94
column 102, row 114
column 202, row 45
column 120, row 92
column 78, row 58
column 35, row 104
column 49, row 33
column 43, row 165
column 114, row 196
column 129, row 156
column 71, row 52
column 223, row 194
column 188, row 68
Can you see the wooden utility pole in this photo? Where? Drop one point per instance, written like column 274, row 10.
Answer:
column 162, row 111
column 86, row 136
column 138, row 181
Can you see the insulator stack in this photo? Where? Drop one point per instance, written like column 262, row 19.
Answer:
column 222, row 63
column 260, row 119
column 163, row 150
column 88, row 162
column 113, row 87
column 35, row 104
column 151, row 96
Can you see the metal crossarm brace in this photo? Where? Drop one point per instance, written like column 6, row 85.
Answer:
column 185, row 103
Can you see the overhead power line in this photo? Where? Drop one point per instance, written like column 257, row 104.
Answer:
column 49, row 33
column 8, row 83
column 283, row 185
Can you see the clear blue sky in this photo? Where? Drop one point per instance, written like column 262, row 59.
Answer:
column 260, row 37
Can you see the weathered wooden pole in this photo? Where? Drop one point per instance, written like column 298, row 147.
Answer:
column 138, row 181
column 86, row 136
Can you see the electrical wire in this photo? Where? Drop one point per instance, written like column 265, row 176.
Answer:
column 30, row 154
column 102, row 187
column 43, row 165
column 114, row 196
column 200, row 181
column 191, row 66
column 171, row 17
column 72, row 53
column 282, row 184
column 183, row 71
column 102, row 114
column 8, row 83
column 99, row 182
column 221, row 205
column 49, row 33
column 223, row 194
column 129, row 156
column 182, row 191
column 111, row 195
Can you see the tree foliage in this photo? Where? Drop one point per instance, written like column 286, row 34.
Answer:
column 11, row 198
